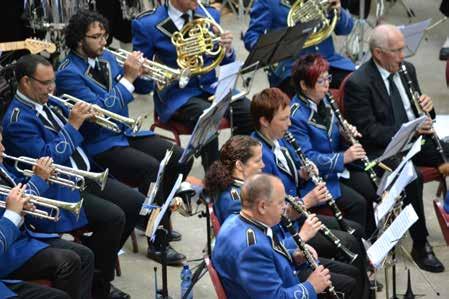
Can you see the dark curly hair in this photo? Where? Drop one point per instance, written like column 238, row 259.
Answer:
column 219, row 174
column 79, row 24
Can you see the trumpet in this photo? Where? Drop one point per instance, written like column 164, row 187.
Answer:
column 60, row 170
column 327, row 233
column 104, row 118
column 53, row 205
column 158, row 72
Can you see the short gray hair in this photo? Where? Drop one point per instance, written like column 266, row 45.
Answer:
column 380, row 37
column 257, row 188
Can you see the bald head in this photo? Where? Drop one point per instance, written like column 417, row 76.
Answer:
column 383, row 36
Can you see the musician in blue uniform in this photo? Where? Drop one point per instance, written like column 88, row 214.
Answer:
column 25, row 255
column 316, row 129
column 271, row 15
column 93, row 75
column 152, row 32
column 250, row 260
column 34, row 127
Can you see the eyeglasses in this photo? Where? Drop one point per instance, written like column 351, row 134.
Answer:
column 394, row 51
column 321, row 81
column 45, row 83
column 99, row 36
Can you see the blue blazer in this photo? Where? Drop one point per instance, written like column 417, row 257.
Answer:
column 250, row 265
column 320, row 145
column 272, row 14
column 26, row 133
column 152, row 33
column 228, row 201
column 74, row 78
column 275, row 167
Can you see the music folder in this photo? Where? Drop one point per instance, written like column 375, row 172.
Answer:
column 279, row 44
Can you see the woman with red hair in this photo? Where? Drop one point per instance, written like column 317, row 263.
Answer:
column 316, row 130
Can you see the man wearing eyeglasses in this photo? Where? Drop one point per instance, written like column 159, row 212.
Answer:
column 92, row 74
column 377, row 102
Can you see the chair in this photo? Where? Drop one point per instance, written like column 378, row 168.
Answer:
column 443, row 219
column 42, row 282
column 177, row 128
column 215, row 279
column 429, row 174
column 213, row 219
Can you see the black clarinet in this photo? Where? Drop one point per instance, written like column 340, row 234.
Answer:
column 327, row 233
column 351, row 139
column 287, row 224
column 316, row 180
column 414, row 100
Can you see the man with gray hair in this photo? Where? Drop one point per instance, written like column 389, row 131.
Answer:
column 377, row 101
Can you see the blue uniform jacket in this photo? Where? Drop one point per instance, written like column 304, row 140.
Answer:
column 228, row 201
column 275, row 167
column 26, row 134
column 73, row 77
column 272, row 14
column 250, row 265
column 152, row 33
column 17, row 246
column 321, row 146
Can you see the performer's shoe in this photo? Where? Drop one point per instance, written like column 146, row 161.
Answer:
column 377, row 285
column 116, row 293
column 444, row 51
column 425, row 258
column 174, row 258
column 444, row 168
column 174, row 236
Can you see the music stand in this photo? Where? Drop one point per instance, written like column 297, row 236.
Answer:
column 279, row 44
column 206, row 128
column 155, row 231
column 413, row 35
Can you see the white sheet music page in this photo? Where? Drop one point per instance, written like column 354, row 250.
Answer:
column 154, row 187
column 227, row 79
column 379, row 250
column 407, row 175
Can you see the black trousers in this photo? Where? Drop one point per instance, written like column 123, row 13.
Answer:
column 328, row 249
column 429, row 156
column 345, row 278
column 241, row 119
column 26, row 290
column 68, row 265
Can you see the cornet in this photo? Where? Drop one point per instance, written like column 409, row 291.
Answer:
column 158, row 72
column 103, row 117
column 60, row 170
column 53, row 205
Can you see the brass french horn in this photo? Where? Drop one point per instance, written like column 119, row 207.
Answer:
column 311, row 10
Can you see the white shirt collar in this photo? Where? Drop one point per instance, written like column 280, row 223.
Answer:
column 313, row 105
column 383, row 72
column 38, row 106
column 91, row 62
column 175, row 14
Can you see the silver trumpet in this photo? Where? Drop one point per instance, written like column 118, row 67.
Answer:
column 78, row 176
column 161, row 74
column 39, row 201
column 103, row 117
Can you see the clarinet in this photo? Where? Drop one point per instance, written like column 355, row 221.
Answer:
column 287, row 224
column 351, row 138
column 414, row 100
column 327, row 233
column 316, row 180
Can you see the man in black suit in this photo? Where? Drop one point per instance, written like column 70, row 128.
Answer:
column 377, row 103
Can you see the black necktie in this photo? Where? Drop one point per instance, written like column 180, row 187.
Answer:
column 76, row 156
column 99, row 73
column 186, row 17
column 400, row 116
column 5, row 180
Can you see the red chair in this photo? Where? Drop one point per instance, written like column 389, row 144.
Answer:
column 213, row 219
column 177, row 128
column 42, row 282
column 215, row 279
column 443, row 219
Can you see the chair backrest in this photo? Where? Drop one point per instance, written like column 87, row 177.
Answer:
column 219, row 290
column 341, row 95
column 213, row 219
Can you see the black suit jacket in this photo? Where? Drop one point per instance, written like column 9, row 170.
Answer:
column 368, row 106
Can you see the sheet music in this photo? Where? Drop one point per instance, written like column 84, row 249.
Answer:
column 407, row 175
column 416, row 148
column 154, row 187
column 227, row 79
column 379, row 250
column 165, row 207
column 401, row 138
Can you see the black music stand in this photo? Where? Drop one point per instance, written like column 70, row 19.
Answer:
column 279, row 44
column 206, row 128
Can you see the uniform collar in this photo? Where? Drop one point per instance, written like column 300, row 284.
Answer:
column 262, row 226
column 265, row 139
column 29, row 102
